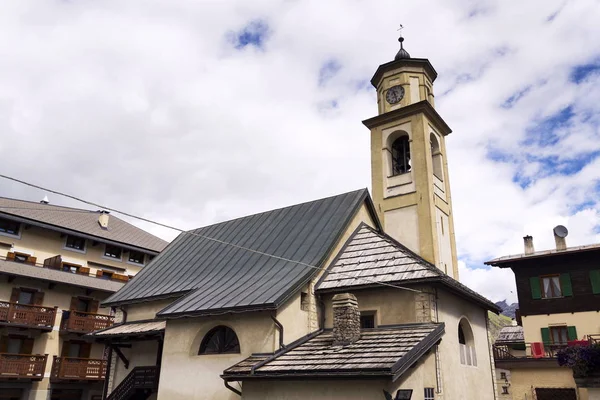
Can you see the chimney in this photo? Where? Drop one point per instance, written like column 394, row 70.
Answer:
column 103, row 219
column 346, row 319
column 45, row 200
column 528, row 242
column 560, row 233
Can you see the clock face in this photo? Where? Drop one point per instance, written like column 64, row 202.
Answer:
column 394, row 94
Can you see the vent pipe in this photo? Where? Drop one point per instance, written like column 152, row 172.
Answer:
column 103, row 219
column 528, row 242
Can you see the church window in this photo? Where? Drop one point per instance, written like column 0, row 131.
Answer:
column 466, row 344
column 401, row 156
column 220, row 340
column 436, row 157
column 429, row 394
column 367, row 320
column 304, row 302
column 505, row 390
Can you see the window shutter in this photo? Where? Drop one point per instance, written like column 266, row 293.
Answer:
column 3, row 344
column 74, row 302
column 546, row 335
column 14, row 296
column 38, row 298
column 85, row 350
column 595, row 279
column 10, row 256
column 572, row 333
column 536, row 291
column 94, row 304
column 565, row 284
column 27, row 346
column 64, row 352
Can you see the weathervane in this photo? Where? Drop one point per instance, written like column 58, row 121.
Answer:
column 402, row 54
column 400, row 29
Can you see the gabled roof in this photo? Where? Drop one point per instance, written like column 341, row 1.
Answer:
column 217, row 276
column 81, row 222
column 385, row 351
column 370, row 257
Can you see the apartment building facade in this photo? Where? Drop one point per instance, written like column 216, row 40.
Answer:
column 559, row 306
column 56, row 265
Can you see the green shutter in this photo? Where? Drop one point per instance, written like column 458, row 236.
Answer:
column 546, row 335
column 595, row 279
column 572, row 333
column 536, row 291
column 565, row 284
column 518, row 346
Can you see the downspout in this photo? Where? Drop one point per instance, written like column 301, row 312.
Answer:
column 438, row 364
column 124, row 314
column 490, row 353
column 234, row 390
column 280, row 329
column 107, row 374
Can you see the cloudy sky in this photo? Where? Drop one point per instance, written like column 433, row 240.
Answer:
column 193, row 112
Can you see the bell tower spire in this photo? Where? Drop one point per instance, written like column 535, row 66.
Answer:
column 409, row 171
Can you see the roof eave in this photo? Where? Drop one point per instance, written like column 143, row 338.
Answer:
column 415, row 354
column 383, row 68
column 422, row 106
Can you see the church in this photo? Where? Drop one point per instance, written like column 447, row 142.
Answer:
column 349, row 297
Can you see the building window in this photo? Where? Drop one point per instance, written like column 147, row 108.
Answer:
column 503, row 375
column 26, row 296
column 401, row 156
column 304, row 303
column 504, row 389
column 559, row 334
column 436, row 157
column 104, row 274
column 551, row 286
column 75, row 243
column 8, row 227
column 466, row 344
column 220, row 340
column 111, row 251
column 136, row 257
column 429, row 394
column 367, row 320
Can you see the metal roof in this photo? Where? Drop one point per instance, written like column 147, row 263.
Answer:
column 370, row 257
column 76, row 220
column 511, row 334
column 385, row 351
column 500, row 261
column 219, row 277
column 130, row 329
column 52, row 275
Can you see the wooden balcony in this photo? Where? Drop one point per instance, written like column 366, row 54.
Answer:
column 22, row 366
column 77, row 369
column 27, row 316
column 82, row 322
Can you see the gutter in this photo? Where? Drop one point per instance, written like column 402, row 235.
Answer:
column 234, row 390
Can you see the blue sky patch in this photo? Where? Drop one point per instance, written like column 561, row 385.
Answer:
column 581, row 72
column 328, row 70
column 544, row 132
column 510, row 102
column 255, row 33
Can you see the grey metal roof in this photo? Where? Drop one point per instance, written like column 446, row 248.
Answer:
column 385, row 351
column 370, row 257
column 511, row 334
column 52, row 275
column 76, row 220
column 218, row 277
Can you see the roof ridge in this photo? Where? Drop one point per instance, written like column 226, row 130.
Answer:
column 47, row 204
column 278, row 208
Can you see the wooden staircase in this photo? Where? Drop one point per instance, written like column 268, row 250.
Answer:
column 138, row 385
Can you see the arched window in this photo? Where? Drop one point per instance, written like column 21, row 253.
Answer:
column 436, row 157
column 401, row 156
column 466, row 343
column 220, row 340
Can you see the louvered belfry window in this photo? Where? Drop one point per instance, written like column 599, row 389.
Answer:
column 401, row 156
column 220, row 340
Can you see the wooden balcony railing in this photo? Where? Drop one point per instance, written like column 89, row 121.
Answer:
column 83, row 322
column 22, row 366
column 38, row 317
column 77, row 369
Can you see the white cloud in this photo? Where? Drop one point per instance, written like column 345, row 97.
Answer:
column 146, row 106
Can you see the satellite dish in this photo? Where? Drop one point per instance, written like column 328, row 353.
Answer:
column 561, row 231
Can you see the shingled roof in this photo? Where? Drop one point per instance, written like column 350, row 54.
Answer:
column 385, row 351
column 79, row 221
column 370, row 257
column 215, row 277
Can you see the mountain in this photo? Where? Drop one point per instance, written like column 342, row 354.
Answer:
column 508, row 310
column 497, row 322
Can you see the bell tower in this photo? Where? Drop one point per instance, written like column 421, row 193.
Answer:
column 409, row 171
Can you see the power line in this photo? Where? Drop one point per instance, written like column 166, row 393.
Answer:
column 194, row 233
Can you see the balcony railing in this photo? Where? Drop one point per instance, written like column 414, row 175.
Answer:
column 526, row 351
column 83, row 322
column 38, row 317
column 22, row 366
column 77, row 369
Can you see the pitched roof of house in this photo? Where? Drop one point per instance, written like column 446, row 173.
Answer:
column 512, row 260
column 370, row 257
column 385, row 351
column 511, row 334
column 130, row 329
column 81, row 222
column 215, row 277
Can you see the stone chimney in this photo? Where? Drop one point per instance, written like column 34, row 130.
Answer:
column 528, row 242
column 103, row 219
column 346, row 319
